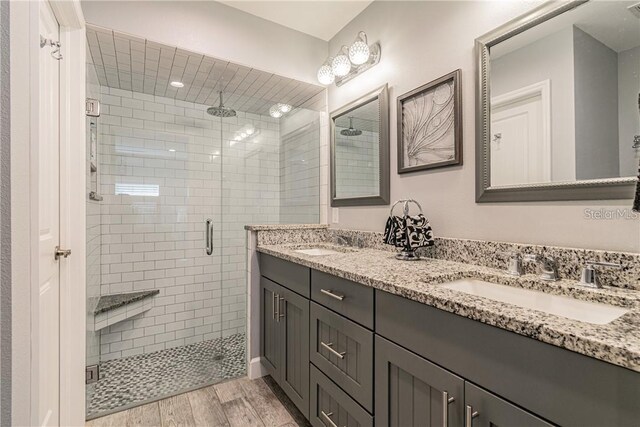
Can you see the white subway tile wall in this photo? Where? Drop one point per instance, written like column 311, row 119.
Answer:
column 174, row 167
column 357, row 164
column 300, row 175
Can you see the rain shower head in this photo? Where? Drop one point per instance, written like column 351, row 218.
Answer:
column 221, row 110
column 351, row 131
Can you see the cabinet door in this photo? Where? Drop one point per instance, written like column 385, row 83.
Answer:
column 294, row 323
column 483, row 409
column 270, row 336
column 411, row 391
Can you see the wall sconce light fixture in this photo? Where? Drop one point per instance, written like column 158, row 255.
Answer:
column 349, row 61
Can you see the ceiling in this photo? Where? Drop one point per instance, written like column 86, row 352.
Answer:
column 610, row 22
column 321, row 19
column 127, row 62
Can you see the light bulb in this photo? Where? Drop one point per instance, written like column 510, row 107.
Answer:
column 243, row 135
column 177, row 84
column 340, row 65
column 325, row 75
column 359, row 52
column 285, row 108
column 275, row 112
column 250, row 131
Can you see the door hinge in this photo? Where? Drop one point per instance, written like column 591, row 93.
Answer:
column 92, row 107
column 92, row 374
column 54, row 44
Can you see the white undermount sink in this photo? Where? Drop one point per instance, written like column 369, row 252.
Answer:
column 571, row 308
column 317, row 251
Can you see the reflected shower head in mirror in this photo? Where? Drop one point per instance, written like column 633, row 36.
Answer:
column 351, row 131
column 221, row 110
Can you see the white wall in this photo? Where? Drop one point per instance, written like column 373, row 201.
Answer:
column 550, row 58
column 596, row 108
column 422, row 41
column 217, row 30
column 628, row 109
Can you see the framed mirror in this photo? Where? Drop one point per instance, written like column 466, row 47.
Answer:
column 360, row 151
column 557, row 114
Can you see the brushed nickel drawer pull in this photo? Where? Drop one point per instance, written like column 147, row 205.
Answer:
column 446, row 401
column 328, row 418
column 274, row 300
column 470, row 415
column 331, row 294
column 281, row 311
column 330, row 348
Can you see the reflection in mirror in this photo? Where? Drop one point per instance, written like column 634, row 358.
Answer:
column 564, row 98
column 360, row 151
column 357, row 152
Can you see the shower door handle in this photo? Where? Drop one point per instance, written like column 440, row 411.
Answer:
column 209, row 236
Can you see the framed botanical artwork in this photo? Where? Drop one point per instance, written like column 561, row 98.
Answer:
column 430, row 125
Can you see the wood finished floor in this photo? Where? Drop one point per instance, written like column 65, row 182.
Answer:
column 236, row 403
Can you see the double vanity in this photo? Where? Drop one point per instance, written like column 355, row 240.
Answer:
column 356, row 337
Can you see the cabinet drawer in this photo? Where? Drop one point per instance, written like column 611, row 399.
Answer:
column 348, row 298
column 332, row 407
column 288, row 274
column 343, row 350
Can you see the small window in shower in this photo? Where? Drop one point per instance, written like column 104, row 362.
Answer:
column 138, row 190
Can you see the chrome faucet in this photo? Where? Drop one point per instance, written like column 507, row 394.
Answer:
column 589, row 277
column 340, row 240
column 546, row 265
column 514, row 263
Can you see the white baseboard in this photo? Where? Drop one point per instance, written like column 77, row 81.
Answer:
column 255, row 369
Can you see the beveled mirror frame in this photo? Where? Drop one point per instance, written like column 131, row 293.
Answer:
column 382, row 95
column 597, row 189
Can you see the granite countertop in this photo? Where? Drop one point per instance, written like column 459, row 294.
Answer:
column 617, row 342
column 111, row 302
column 266, row 227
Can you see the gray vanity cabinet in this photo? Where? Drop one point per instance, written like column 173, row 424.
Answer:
column 269, row 327
column 294, row 323
column 411, row 391
column 483, row 409
column 285, row 340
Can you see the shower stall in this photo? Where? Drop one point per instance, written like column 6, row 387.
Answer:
column 172, row 181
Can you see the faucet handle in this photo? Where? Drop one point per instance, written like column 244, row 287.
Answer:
column 589, row 276
column 547, row 266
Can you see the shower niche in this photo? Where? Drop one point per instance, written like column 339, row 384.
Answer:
column 189, row 149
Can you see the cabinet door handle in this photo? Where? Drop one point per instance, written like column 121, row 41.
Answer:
column 470, row 415
column 330, row 348
column 328, row 418
column 274, row 302
column 330, row 293
column 281, row 311
column 446, row 401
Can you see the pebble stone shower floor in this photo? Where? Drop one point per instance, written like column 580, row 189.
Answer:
column 134, row 380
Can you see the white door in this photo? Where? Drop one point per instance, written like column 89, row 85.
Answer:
column 519, row 139
column 48, row 350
